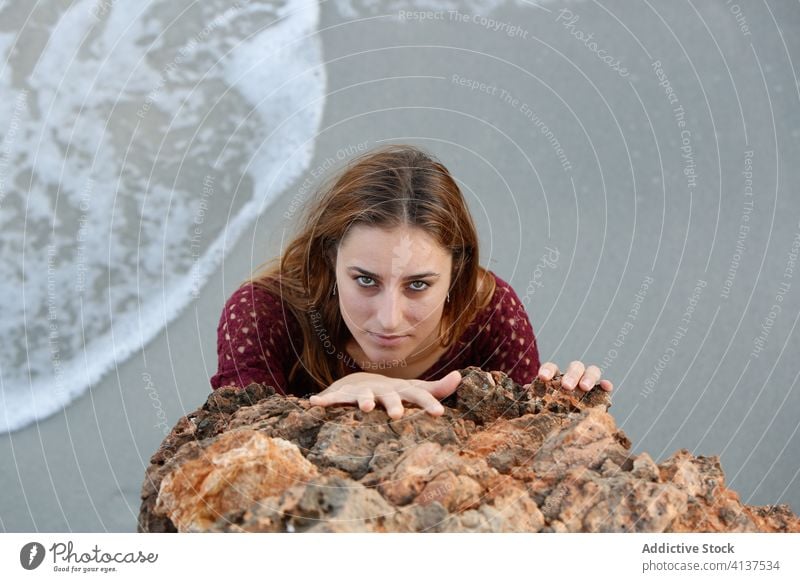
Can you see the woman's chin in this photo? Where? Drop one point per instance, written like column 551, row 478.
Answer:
column 384, row 358
column 385, row 355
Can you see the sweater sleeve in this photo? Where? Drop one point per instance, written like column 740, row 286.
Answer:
column 508, row 342
column 252, row 341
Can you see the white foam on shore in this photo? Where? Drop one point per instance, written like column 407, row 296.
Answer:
column 134, row 154
column 360, row 8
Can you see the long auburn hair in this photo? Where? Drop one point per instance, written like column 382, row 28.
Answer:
column 388, row 186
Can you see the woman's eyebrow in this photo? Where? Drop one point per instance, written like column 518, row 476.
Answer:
column 378, row 277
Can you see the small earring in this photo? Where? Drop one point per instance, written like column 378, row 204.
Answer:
column 448, row 298
column 334, row 287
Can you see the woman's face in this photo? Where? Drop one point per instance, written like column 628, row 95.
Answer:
column 392, row 283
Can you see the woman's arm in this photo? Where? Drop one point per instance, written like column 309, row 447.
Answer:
column 251, row 341
column 511, row 343
column 507, row 342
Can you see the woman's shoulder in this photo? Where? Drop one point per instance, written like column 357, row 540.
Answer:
column 505, row 292
column 253, row 295
column 502, row 293
column 254, row 303
column 503, row 302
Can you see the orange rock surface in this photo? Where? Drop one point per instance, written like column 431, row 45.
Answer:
column 503, row 458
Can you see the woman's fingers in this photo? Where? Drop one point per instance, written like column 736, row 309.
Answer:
column 426, row 394
column 574, row 373
column 392, row 403
column 424, row 399
column 366, row 401
column 320, row 398
column 443, row 387
column 344, row 395
column 547, row 371
column 391, row 393
column 590, row 377
column 420, row 396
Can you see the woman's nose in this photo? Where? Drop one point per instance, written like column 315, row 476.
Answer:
column 390, row 313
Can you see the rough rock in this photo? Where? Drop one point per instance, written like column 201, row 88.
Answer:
column 504, row 457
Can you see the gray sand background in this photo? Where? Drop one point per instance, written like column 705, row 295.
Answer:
column 698, row 363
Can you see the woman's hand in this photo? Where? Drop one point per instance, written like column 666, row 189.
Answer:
column 365, row 388
column 577, row 375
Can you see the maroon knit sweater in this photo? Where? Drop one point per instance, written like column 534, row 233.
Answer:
column 258, row 340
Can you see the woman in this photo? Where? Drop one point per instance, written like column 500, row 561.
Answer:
column 379, row 293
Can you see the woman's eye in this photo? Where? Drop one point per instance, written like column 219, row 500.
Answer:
column 360, row 278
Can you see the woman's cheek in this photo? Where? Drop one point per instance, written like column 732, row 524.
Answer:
column 351, row 310
column 426, row 315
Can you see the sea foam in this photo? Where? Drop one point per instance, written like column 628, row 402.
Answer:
column 139, row 141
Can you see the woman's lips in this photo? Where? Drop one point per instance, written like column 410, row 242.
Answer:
column 385, row 340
